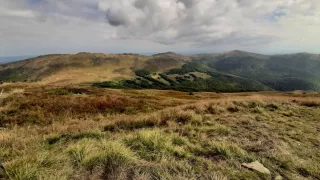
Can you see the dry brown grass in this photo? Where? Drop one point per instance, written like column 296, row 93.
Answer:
column 66, row 69
column 151, row 134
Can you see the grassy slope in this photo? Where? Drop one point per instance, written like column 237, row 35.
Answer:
column 191, row 77
column 89, row 133
column 83, row 67
column 280, row 72
column 230, row 71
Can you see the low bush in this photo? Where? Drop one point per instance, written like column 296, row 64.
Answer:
column 59, row 92
column 143, row 73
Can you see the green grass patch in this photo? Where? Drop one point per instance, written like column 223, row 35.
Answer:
column 59, row 92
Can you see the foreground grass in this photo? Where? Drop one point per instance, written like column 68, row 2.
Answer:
column 168, row 135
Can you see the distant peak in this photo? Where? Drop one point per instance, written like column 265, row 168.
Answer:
column 166, row 53
column 238, row 51
column 303, row 53
column 83, row 53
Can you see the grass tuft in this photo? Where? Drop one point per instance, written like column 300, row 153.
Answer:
column 157, row 134
column 55, row 138
column 114, row 157
column 221, row 150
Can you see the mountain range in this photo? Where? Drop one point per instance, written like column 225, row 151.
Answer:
column 231, row 71
column 7, row 59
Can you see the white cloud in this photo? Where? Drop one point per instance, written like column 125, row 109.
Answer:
column 200, row 25
column 208, row 22
column 18, row 13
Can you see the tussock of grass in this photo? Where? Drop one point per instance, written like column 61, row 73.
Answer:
column 256, row 106
column 52, row 139
column 59, row 137
column 227, row 150
column 233, row 109
column 259, row 110
column 308, row 103
column 109, row 158
column 218, row 129
column 131, row 124
column 214, row 109
column 221, row 150
column 77, row 154
column 272, row 107
column 164, row 118
column 110, row 155
column 180, row 117
column 150, row 144
column 38, row 166
column 311, row 170
column 179, row 141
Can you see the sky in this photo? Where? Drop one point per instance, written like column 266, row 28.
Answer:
column 36, row 27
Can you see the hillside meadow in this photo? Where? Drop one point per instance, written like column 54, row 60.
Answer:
column 232, row 71
column 79, row 132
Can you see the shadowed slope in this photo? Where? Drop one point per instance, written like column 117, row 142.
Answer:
column 281, row 72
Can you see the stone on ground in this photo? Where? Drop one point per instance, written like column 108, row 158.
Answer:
column 256, row 166
column 278, row 178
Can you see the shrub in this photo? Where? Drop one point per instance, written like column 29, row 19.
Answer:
column 143, row 73
column 163, row 76
column 194, row 76
column 59, row 92
column 108, row 84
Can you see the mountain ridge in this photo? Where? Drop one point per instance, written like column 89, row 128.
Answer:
column 170, row 70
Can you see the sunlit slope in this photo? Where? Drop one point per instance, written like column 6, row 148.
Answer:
column 83, row 67
column 228, row 71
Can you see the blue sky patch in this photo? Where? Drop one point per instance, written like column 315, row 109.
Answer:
column 276, row 14
column 34, row 1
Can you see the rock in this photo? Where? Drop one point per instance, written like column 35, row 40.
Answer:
column 278, row 177
column 257, row 166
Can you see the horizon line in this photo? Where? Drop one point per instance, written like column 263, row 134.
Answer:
column 155, row 53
